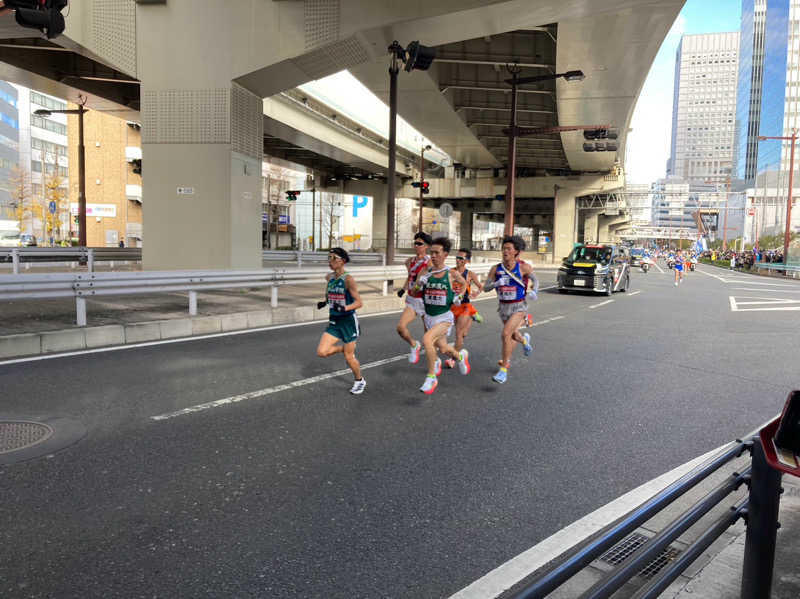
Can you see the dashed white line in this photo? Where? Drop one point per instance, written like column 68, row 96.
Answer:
column 634, row 293
column 661, row 270
column 600, row 304
column 271, row 390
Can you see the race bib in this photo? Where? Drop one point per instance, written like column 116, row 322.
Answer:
column 436, row 297
column 507, row 292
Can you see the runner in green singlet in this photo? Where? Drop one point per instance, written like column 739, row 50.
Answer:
column 438, row 296
column 342, row 298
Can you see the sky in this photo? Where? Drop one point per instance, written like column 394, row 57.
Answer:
column 648, row 145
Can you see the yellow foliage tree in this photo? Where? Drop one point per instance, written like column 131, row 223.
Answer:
column 20, row 189
column 56, row 193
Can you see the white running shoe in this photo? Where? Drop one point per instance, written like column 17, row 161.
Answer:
column 527, row 347
column 438, row 367
column 463, row 362
column 430, row 384
column 413, row 355
column 358, row 386
column 676, row 283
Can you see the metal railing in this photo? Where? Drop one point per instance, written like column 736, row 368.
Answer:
column 790, row 270
column 87, row 285
column 319, row 257
column 77, row 255
column 759, row 509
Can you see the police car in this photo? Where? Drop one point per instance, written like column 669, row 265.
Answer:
column 603, row 268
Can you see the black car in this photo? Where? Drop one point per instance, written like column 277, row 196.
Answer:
column 603, row 268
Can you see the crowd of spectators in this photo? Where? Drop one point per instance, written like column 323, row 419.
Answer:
column 744, row 259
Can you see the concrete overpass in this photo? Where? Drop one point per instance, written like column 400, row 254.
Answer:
column 198, row 75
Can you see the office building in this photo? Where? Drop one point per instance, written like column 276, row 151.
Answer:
column 9, row 147
column 704, row 107
column 761, row 85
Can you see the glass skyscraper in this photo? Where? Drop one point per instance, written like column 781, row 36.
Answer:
column 761, row 85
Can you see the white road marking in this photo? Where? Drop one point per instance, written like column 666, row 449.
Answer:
column 771, row 304
column 600, row 304
column 708, row 274
column 516, row 569
column 733, row 304
column 271, row 390
column 634, row 293
column 661, row 270
column 797, row 290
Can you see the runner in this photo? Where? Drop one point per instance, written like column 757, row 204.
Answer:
column 465, row 313
column 414, row 305
column 438, row 296
column 679, row 262
column 343, row 300
column 510, row 280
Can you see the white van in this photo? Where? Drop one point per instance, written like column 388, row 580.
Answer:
column 9, row 233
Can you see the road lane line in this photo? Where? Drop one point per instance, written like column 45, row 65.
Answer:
column 600, row 304
column 797, row 290
column 634, row 293
column 733, row 304
column 661, row 270
column 505, row 576
column 272, row 390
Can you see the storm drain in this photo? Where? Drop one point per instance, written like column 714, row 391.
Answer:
column 16, row 435
column 629, row 545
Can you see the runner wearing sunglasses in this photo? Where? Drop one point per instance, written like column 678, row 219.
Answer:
column 414, row 304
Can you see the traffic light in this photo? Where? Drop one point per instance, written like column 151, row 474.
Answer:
column 419, row 57
column 137, row 166
column 75, row 219
column 606, row 133
column 44, row 15
column 291, row 196
column 425, row 187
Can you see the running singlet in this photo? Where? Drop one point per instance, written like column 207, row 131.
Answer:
column 416, row 266
column 338, row 294
column 513, row 292
column 438, row 294
column 465, row 296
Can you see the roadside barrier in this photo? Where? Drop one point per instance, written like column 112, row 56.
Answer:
column 76, row 255
column 93, row 284
column 789, row 270
column 759, row 509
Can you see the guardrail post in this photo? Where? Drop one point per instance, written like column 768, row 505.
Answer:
column 762, row 527
column 15, row 260
column 273, row 301
column 91, row 259
column 80, row 310
column 192, row 303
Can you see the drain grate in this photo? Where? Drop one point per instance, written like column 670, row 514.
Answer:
column 16, row 435
column 629, row 545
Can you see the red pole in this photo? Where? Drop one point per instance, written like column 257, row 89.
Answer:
column 788, row 233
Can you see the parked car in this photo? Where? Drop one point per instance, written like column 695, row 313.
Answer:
column 603, row 268
column 27, row 240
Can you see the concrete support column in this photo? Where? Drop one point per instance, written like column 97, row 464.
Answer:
column 466, row 216
column 590, row 228
column 564, row 217
column 202, row 147
column 608, row 227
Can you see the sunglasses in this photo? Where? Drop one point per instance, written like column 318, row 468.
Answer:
column 419, row 243
column 460, row 258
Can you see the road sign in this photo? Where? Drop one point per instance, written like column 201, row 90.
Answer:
column 52, row 207
column 446, row 210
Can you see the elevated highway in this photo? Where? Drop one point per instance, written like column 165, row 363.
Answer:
column 203, row 81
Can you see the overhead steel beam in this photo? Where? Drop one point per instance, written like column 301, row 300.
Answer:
column 502, row 109
column 495, row 89
column 531, row 65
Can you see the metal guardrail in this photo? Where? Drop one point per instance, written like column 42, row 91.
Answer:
column 81, row 255
column 321, row 257
column 86, row 285
column 759, row 509
column 778, row 266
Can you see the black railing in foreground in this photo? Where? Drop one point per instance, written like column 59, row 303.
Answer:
column 759, row 509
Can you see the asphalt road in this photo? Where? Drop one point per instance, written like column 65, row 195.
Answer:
column 310, row 492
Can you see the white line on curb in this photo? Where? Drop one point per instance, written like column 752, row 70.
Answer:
column 518, row 568
column 271, row 390
column 600, row 304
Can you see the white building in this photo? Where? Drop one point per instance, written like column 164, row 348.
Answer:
column 704, row 107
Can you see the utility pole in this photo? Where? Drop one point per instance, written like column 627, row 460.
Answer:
column 725, row 218
column 421, row 183
column 397, row 54
column 787, row 235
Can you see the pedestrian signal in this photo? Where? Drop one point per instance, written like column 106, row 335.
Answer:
column 291, row 196
column 425, row 187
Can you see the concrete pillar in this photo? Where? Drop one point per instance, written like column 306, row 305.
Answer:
column 590, row 227
column 564, row 217
column 466, row 216
column 202, row 145
column 608, row 226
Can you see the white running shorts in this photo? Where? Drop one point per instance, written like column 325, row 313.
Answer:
column 416, row 304
column 432, row 321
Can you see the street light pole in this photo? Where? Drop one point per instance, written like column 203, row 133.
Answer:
column 394, row 68
column 787, row 235
column 513, row 132
column 80, row 111
column 421, row 181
